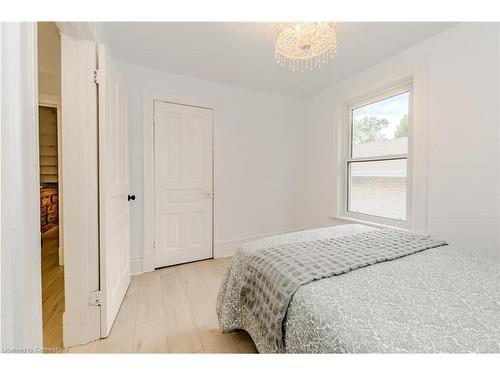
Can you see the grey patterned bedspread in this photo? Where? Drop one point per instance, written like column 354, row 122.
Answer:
column 438, row 300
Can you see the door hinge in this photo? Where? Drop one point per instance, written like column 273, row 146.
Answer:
column 97, row 76
column 95, row 298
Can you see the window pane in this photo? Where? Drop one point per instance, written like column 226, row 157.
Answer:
column 381, row 128
column 378, row 188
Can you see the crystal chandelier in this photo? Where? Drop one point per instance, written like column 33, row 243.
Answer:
column 304, row 45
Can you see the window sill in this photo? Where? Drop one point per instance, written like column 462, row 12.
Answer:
column 368, row 223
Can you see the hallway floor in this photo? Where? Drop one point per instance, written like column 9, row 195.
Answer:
column 52, row 290
column 172, row 310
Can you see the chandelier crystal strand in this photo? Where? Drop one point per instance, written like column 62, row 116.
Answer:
column 305, row 45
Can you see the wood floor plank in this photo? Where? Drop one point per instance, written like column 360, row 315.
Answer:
column 118, row 341
column 52, row 297
column 211, row 274
column 52, row 290
column 149, row 304
column 134, row 284
column 121, row 336
column 126, row 318
column 222, row 264
column 172, row 310
column 91, row 347
column 203, row 306
column 182, row 333
column 150, row 337
column 52, row 329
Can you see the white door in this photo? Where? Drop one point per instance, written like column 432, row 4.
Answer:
column 114, row 217
column 183, row 183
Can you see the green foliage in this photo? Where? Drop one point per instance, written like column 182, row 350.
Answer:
column 402, row 129
column 368, row 129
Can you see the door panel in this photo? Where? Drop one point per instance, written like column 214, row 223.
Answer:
column 183, row 183
column 113, row 192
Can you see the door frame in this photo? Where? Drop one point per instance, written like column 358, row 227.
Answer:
column 149, row 97
column 52, row 101
column 21, row 294
column 21, row 297
column 81, row 319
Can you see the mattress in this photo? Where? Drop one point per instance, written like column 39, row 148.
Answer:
column 438, row 300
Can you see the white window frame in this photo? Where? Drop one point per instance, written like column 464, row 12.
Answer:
column 377, row 96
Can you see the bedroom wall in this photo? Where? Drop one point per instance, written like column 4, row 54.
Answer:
column 279, row 153
column 260, row 161
column 463, row 139
column 49, row 59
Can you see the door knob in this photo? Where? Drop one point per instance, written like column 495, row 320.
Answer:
column 210, row 195
column 131, row 197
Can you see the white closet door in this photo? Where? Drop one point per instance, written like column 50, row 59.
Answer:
column 113, row 191
column 183, row 183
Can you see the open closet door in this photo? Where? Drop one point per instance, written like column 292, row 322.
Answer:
column 114, row 216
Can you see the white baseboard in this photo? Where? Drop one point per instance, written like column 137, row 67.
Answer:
column 221, row 249
column 227, row 248
column 135, row 266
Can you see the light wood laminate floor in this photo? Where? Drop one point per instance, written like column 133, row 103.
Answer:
column 172, row 310
column 52, row 290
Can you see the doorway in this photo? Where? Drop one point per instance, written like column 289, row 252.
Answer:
column 52, row 259
column 183, row 183
column 75, row 90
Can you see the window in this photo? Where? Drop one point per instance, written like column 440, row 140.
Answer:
column 377, row 158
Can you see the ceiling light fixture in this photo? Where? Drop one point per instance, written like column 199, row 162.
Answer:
column 303, row 46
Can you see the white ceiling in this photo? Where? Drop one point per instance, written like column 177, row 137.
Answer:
column 242, row 54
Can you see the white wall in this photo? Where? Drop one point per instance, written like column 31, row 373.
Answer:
column 463, row 135
column 258, row 163
column 49, row 59
column 279, row 154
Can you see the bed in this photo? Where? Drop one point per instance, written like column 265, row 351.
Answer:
column 434, row 299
